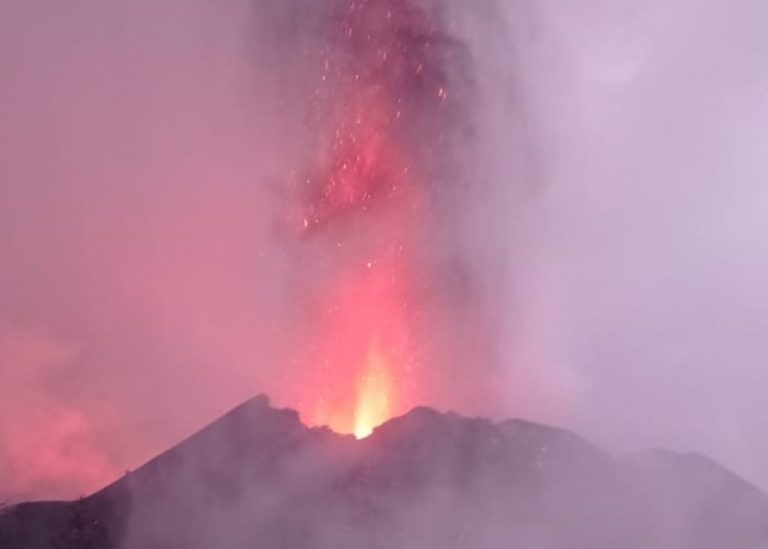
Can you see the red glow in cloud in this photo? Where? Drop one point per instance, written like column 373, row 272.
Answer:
column 49, row 446
column 366, row 365
column 364, row 218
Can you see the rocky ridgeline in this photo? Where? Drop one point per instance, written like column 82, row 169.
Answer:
column 258, row 478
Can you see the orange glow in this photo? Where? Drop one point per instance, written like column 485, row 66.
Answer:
column 363, row 209
column 363, row 360
column 375, row 393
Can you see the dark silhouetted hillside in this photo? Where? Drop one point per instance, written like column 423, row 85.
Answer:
column 258, row 478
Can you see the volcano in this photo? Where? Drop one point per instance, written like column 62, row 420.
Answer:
column 258, row 477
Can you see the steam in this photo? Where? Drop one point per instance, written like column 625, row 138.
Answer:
column 593, row 249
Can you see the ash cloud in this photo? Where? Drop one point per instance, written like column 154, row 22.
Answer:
column 611, row 222
column 407, row 73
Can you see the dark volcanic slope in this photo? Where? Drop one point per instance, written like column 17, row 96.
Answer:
column 258, row 478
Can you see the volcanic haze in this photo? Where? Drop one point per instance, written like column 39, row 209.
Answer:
column 549, row 210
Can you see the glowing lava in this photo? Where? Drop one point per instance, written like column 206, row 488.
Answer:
column 363, row 356
column 375, row 392
column 363, row 208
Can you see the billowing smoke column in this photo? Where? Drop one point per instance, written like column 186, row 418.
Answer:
column 376, row 209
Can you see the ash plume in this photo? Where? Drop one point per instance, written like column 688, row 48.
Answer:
column 383, row 212
column 583, row 233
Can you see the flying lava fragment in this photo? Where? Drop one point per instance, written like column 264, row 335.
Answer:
column 363, row 211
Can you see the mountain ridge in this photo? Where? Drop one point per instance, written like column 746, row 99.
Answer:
column 258, row 477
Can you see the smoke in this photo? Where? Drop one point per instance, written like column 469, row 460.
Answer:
column 55, row 449
column 653, row 219
column 136, row 218
column 257, row 476
column 390, row 201
column 592, row 244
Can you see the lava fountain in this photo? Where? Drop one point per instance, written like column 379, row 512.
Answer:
column 363, row 211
